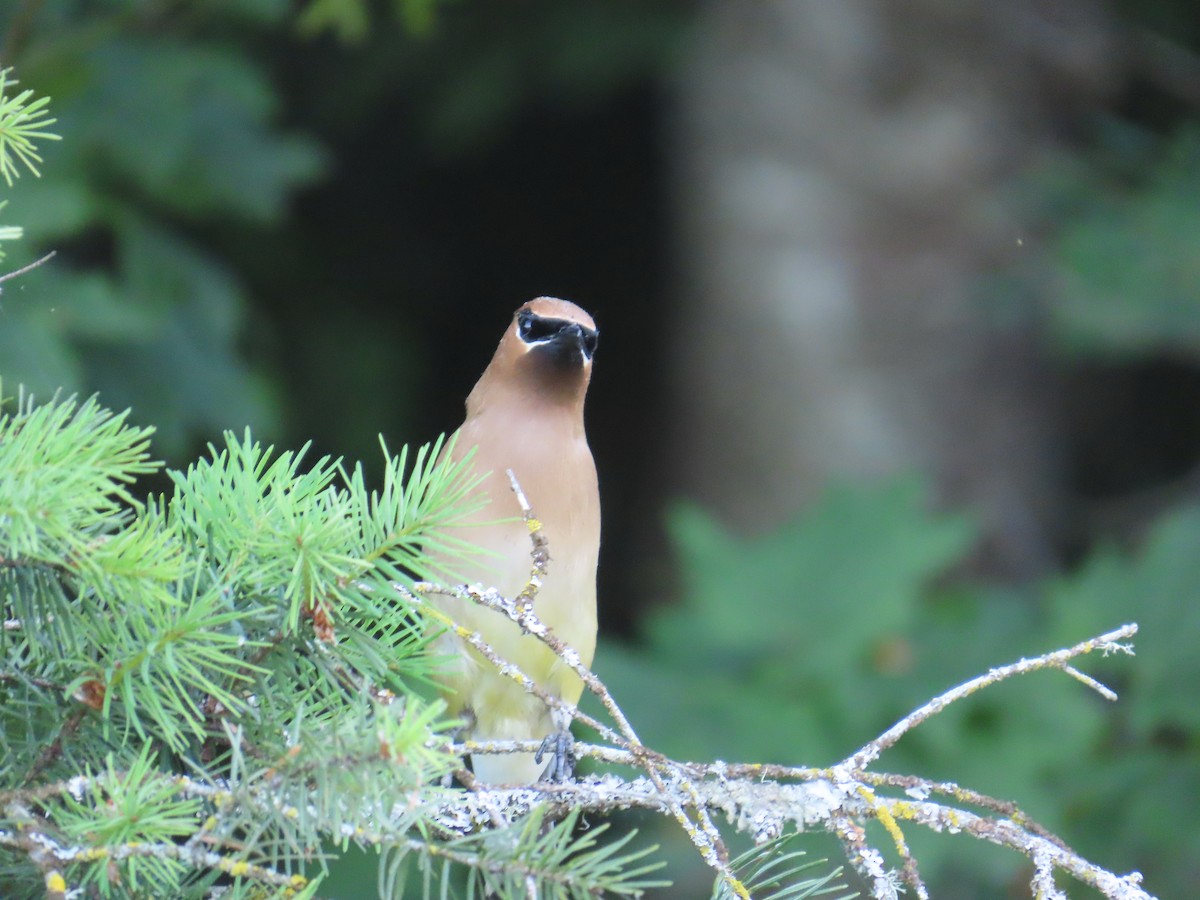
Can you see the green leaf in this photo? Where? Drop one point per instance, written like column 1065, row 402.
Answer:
column 779, row 644
column 1154, row 588
column 1126, row 278
column 222, row 156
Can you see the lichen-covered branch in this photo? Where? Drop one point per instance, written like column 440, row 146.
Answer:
column 764, row 809
column 764, row 800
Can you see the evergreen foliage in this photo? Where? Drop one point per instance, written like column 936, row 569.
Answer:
column 772, row 871
column 23, row 120
column 216, row 688
column 145, row 641
column 173, row 136
column 351, row 19
column 1121, row 257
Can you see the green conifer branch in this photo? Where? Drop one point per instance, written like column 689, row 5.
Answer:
column 23, row 122
column 531, row 858
column 246, row 628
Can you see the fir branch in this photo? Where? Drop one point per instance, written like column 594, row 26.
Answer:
column 258, row 632
column 158, row 660
column 179, row 623
column 403, row 523
column 162, row 857
column 22, row 121
column 772, row 872
column 536, row 858
column 65, row 472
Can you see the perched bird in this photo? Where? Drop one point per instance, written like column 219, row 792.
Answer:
column 526, row 414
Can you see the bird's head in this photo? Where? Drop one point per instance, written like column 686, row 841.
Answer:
column 545, row 353
column 554, row 333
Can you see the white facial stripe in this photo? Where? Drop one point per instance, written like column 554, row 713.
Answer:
column 528, row 343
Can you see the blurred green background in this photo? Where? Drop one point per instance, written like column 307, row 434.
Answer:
column 900, row 302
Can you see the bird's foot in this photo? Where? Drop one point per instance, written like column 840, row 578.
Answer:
column 561, row 747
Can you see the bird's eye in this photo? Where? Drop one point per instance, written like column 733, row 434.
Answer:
column 524, row 323
column 533, row 328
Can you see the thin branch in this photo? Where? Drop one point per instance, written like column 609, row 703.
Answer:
column 47, row 849
column 539, row 555
column 467, row 779
column 852, row 788
column 921, row 789
column 492, row 599
column 1105, row 643
column 29, row 268
column 832, row 800
column 1102, row 689
column 864, row 858
column 704, row 834
column 914, row 787
column 1042, row 851
column 909, row 873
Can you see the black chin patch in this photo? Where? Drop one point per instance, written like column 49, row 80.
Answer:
column 562, row 354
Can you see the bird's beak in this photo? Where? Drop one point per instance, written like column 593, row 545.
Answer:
column 578, row 341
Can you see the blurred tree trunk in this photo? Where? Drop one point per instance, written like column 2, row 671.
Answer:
column 845, row 188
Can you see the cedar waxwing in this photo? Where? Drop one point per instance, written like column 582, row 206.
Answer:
column 526, row 414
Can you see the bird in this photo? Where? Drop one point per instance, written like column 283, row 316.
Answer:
column 525, row 415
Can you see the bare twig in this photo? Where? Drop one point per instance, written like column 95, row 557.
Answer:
column 492, row 599
column 1105, row 643
column 1102, row 689
column 539, row 553
column 29, row 268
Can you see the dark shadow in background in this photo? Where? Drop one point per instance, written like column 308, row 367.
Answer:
column 386, row 317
